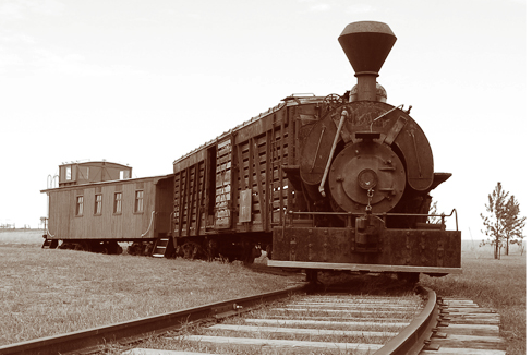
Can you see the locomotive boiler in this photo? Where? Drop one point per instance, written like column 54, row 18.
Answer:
column 366, row 170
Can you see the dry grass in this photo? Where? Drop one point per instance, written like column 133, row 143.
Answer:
column 45, row 292
column 499, row 284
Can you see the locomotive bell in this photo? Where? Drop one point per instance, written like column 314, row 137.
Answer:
column 367, row 44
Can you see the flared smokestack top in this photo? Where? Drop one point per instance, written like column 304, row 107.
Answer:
column 367, row 44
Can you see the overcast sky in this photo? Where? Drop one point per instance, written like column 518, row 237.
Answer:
column 143, row 82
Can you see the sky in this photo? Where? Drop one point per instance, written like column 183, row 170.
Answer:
column 143, row 82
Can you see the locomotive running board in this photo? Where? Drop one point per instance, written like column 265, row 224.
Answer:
column 361, row 267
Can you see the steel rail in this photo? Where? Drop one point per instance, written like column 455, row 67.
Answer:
column 416, row 335
column 95, row 338
column 408, row 342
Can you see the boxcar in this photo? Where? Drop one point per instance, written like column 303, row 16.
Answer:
column 232, row 191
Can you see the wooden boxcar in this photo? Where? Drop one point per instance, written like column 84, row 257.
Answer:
column 230, row 193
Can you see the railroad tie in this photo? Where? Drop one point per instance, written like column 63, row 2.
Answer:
column 466, row 329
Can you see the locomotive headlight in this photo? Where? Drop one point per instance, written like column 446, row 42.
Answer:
column 367, row 179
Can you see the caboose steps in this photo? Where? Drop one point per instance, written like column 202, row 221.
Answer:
column 161, row 247
column 50, row 243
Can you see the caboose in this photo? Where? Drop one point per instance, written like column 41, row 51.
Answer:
column 98, row 204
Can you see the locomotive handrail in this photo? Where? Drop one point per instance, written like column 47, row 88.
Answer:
column 351, row 214
column 400, row 107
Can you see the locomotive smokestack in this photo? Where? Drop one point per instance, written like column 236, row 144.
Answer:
column 367, row 44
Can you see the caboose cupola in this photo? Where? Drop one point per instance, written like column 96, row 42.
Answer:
column 367, row 44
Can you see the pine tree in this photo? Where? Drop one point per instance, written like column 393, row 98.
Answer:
column 502, row 220
column 433, row 210
column 512, row 221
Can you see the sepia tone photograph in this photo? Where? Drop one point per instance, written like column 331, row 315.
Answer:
column 279, row 177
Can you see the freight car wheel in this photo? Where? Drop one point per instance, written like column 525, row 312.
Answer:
column 112, row 248
column 192, row 251
column 149, row 249
column 134, row 249
column 269, row 252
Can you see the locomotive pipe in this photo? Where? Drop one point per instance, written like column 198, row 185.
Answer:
column 343, row 117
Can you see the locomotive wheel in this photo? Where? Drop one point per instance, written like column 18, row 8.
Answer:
column 409, row 277
column 312, row 276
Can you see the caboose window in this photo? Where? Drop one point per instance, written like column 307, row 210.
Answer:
column 98, row 204
column 79, row 209
column 68, row 172
column 117, row 202
column 124, row 174
column 139, row 200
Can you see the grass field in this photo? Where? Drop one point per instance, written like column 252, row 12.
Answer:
column 498, row 284
column 46, row 292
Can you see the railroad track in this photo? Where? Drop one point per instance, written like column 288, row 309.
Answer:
column 318, row 324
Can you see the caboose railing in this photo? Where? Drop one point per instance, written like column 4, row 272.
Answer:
column 351, row 216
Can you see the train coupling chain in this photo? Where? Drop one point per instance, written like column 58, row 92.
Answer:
column 369, row 194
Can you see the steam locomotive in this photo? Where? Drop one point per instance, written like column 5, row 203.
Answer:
column 335, row 182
